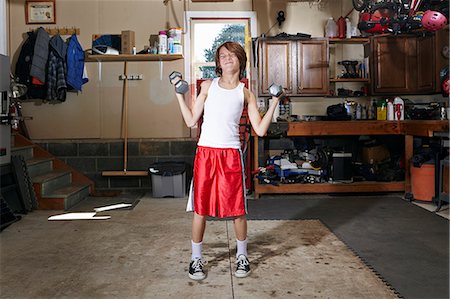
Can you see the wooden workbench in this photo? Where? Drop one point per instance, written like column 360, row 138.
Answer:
column 408, row 129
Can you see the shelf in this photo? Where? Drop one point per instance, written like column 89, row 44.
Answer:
column 350, row 80
column 356, row 40
column 367, row 186
column 130, row 57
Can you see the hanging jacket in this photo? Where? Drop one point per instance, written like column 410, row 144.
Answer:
column 56, row 74
column 40, row 55
column 75, row 64
column 23, row 64
column 23, row 68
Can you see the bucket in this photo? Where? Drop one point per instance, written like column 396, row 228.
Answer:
column 422, row 182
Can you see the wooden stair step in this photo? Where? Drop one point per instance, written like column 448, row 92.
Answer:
column 40, row 179
column 67, row 191
column 26, row 151
column 35, row 161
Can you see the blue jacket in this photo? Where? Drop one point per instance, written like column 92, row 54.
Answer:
column 75, row 64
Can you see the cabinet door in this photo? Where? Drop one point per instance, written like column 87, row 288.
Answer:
column 276, row 65
column 390, row 56
column 425, row 51
column 312, row 76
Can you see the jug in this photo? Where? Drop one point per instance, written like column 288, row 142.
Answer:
column 399, row 109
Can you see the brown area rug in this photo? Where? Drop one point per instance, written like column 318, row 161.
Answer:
column 303, row 258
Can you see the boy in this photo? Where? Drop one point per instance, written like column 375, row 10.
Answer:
column 218, row 182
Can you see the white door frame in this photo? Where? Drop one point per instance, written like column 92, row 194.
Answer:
column 3, row 31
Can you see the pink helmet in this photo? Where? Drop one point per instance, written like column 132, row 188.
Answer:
column 433, row 20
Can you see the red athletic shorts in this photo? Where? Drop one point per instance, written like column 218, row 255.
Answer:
column 219, row 182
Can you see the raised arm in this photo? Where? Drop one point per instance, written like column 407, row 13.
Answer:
column 192, row 115
column 260, row 125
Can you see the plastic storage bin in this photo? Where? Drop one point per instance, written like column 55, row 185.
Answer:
column 168, row 179
column 422, row 182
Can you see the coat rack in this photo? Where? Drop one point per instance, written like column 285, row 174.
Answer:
column 61, row 31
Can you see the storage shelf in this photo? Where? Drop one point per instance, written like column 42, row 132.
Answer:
column 367, row 186
column 356, row 40
column 349, row 80
column 130, row 57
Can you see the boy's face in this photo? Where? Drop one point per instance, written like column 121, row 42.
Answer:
column 228, row 61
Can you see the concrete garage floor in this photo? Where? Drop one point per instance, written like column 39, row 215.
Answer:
column 144, row 253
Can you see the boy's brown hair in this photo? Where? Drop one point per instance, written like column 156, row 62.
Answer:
column 239, row 51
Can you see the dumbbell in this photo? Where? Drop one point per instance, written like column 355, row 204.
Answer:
column 181, row 86
column 275, row 90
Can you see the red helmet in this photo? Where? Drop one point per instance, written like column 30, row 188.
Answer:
column 433, row 20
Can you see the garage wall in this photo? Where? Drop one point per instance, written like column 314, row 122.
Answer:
column 153, row 110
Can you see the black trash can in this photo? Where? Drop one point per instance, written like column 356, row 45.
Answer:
column 168, row 179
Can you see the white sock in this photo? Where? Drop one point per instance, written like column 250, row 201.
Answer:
column 241, row 247
column 196, row 250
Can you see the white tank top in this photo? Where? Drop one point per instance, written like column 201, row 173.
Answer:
column 221, row 116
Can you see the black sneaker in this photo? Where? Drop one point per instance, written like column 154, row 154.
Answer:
column 243, row 266
column 196, row 269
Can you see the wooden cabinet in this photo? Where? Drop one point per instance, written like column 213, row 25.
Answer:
column 275, row 65
column 301, row 67
column 312, row 69
column 403, row 65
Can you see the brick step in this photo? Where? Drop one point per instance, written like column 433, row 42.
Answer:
column 53, row 180
column 38, row 166
column 25, row 151
column 64, row 198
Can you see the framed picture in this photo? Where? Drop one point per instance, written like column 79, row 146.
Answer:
column 40, row 12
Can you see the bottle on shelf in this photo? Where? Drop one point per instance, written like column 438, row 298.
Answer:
column 341, row 27
column 331, row 28
column 162, row 42
column 348, row 28
column 390, row 110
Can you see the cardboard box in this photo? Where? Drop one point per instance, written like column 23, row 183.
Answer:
column 376, row 154
column 128, row 42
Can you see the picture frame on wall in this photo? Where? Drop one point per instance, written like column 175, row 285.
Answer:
column 40, row 12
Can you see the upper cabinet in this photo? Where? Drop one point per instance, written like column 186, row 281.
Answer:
column 301, row 67
column 403, row 65
column 312, row 68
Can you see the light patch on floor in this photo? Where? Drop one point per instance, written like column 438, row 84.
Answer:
column 144, row 253
column 429, row 206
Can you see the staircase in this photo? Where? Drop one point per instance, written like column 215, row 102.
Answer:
column 57, row 185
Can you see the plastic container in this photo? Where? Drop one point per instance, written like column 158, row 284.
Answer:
column 331, row 28
column 162, row 42
column 175, row 33
column 422, row 182
column 341, row 27
column 348, row 28
column 381, row 110
column 399, row 108
column 168, row 179
column 390, row 111
column 177, row 49
column 170, row 45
